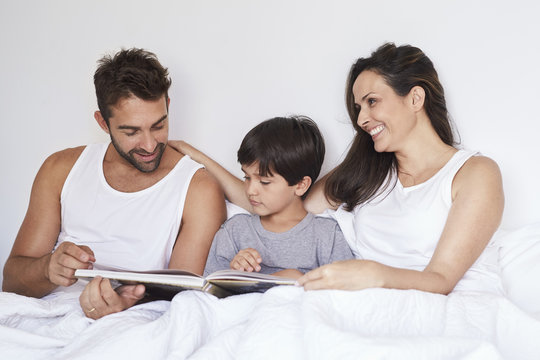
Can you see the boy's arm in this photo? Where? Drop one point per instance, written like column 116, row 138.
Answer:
column 221, row 252
column 232, row 186
column 335, row 248
column 341, row 249
column 32, row 269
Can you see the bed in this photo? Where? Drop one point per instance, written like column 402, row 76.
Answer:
column 288, row 323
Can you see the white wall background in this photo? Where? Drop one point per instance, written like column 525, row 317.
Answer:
column 235, row 63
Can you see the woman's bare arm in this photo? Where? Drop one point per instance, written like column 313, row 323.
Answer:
column 475, row 215
column 233, row 187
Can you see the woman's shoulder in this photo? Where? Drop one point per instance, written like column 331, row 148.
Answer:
column 477, row 172
column 479, row 165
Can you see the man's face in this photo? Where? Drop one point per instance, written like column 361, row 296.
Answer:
column 139, row 131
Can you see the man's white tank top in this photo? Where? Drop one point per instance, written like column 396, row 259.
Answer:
column 402, row 226
column 134, row 230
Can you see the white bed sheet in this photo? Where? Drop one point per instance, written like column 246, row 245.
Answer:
column 285, row 322
column 289, row 323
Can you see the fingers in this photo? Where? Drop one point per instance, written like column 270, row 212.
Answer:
column 130, row 294
column 247, row 260
column 87, row 299
column 63, row 262
column 175, row 144
column 89, row 251
column 99, row 299
column 180, row 146
column 310, row 277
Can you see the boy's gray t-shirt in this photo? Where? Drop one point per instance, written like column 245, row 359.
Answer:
column 313, row 242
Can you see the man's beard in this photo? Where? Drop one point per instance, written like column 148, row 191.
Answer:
column 145, row 167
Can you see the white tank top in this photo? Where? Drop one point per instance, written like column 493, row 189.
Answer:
column 129, row 230
column 402, row 226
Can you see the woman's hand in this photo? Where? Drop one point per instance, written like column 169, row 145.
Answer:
column 247, row 260
column 185, row 148
column 289, row 273
column 344, row 275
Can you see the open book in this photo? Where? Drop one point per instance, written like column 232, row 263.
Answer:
column 166, row 283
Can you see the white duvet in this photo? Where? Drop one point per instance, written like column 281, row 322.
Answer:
column 289, row 323
column 284, row 323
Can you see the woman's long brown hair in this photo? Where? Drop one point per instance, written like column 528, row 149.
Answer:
column 364, row 172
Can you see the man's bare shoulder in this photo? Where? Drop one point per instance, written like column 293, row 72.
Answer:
column 59, row 164
column 204, row 190
column 204, row 181
column 205, row 196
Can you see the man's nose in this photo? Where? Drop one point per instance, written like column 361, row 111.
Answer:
column 148, row 142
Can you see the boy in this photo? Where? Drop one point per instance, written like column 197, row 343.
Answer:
column 280, row 158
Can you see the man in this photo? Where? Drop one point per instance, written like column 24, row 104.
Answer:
column 134, row 203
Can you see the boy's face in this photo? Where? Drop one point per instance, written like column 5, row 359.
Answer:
column 268, row 195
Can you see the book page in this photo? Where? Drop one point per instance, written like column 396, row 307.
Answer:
column 177, row 278
column 248, row 276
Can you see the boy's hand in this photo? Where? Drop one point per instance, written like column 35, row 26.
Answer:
column 247, row 260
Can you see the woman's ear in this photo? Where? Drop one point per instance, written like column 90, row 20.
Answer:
column 101, row 121
column 418, row 96
column 302, row 186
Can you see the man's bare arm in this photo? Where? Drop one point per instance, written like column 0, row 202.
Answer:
column 204, row 212
column 32, row 269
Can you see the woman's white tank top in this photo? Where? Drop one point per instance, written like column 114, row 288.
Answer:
column 402, row 226
column 134, row 230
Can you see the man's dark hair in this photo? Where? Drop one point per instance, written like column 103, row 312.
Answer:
column 131, row 72
column 292, row 147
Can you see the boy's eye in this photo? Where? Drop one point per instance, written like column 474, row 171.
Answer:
column 246, row 178
column 265, row 182
column 371, row 101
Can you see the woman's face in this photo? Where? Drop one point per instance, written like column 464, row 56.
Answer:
column 383, row 114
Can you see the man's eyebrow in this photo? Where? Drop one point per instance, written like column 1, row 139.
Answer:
column 128, row 127
column 160, row 120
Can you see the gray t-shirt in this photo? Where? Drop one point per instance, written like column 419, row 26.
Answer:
column 313, row 242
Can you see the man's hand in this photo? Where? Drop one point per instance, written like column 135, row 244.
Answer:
column 67, row 258
column 247, row 260
column 99, row 298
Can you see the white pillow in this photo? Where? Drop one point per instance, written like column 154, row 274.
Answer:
column 519, row 259
column 233, row 209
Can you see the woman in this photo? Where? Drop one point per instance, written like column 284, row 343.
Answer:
column 423, row 212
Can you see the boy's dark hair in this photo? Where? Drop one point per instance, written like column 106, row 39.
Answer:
column 293, row 147
column 132, row 72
